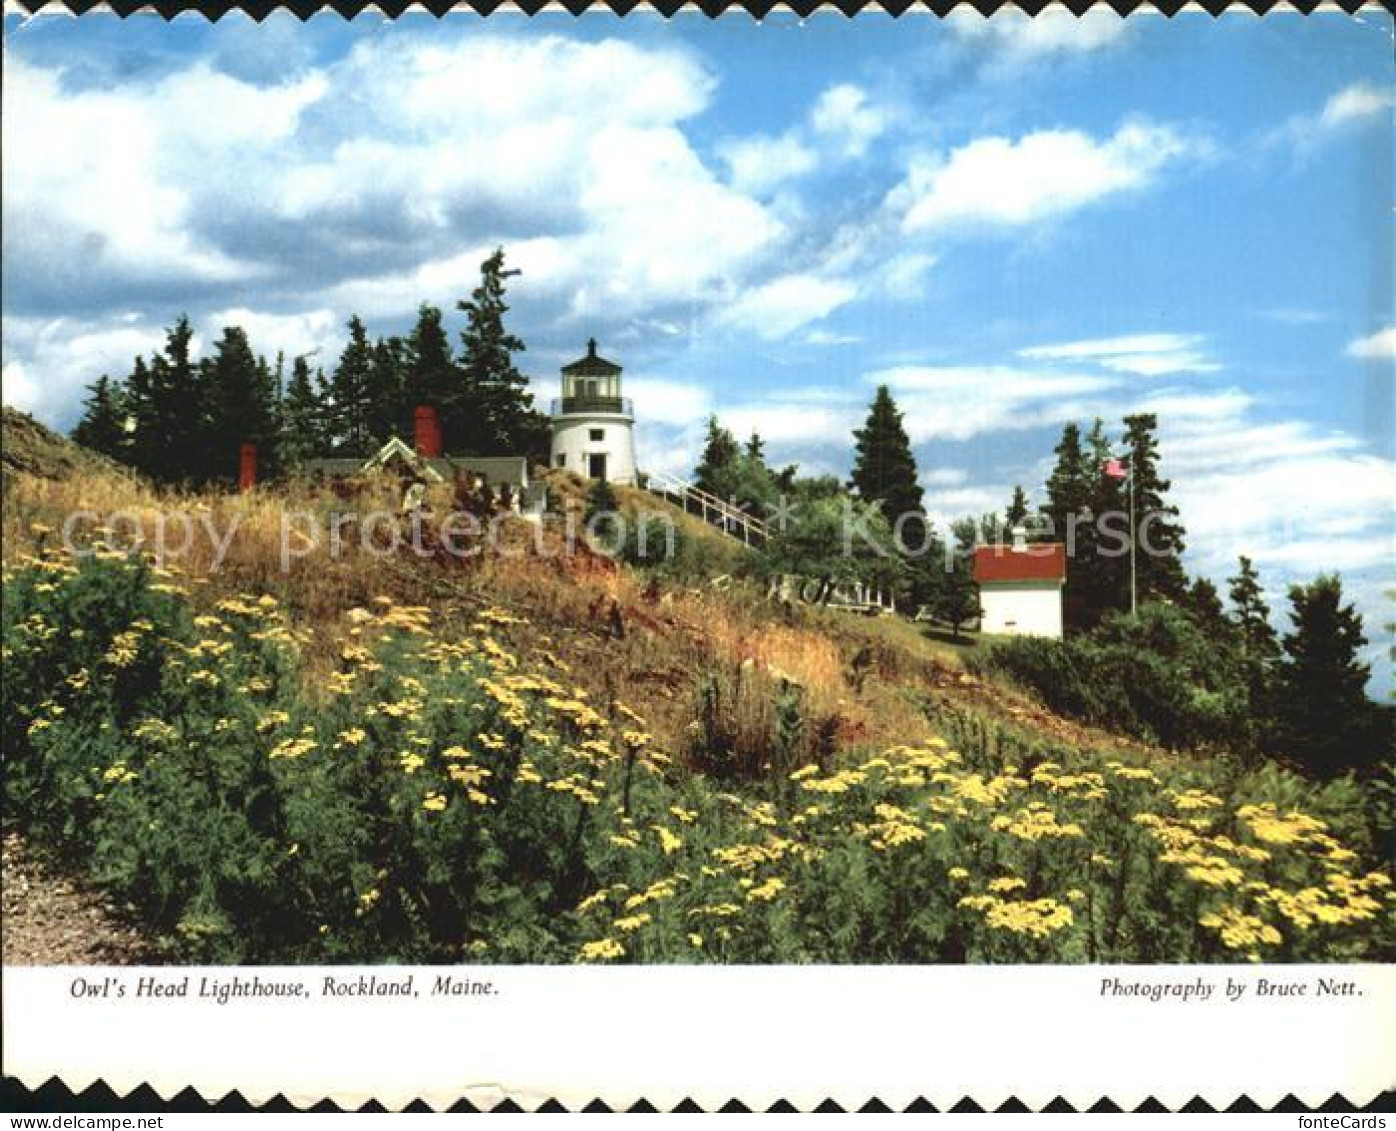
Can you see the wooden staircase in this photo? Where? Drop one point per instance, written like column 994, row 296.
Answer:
column 732, row 521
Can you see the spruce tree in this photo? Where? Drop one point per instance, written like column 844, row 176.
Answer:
column 884, row 468
column 1070, row 488
column 718, row 471
column 1251, row 615
column 1257, row 644
column 167, row 404
column 1017, row 513
column 347, row 410
column 385, row 403
column 241, row 405
column 302, row 435
column 756, row 448
column 1105, row 568
column 430, row 375
column 492, row 411
column 103, row 424
column 959, row 595
column 1326, row 720
column 1160, row 537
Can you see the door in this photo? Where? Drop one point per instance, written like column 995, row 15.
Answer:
column 596, row 465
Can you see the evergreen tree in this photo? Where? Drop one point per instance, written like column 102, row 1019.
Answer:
column 302, row 436
column 241, row 406
column 1104, row 567
column 602, row 511
column 1160, row 537
column 1068, row 515
column 492, row 411
column 103, row 424
column 1257, row 644
column 167, row 404
column 1203, row 604
column 1069, row 487
column 430, row 371
column 884, row 468
column 718, row 470
column 959, row 595
column 347, row 408
column 386, row 407
column 1017, row 513
column 756, row 449
column 1251, row 615
column 1326, row 720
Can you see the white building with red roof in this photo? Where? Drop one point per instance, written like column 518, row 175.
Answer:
column 1020, row 587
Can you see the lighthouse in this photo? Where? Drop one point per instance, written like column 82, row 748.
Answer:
column 593, row 425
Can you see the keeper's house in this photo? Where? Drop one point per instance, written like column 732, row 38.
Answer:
column 1020, row 587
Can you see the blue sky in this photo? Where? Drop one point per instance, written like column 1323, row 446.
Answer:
column 1013, row 223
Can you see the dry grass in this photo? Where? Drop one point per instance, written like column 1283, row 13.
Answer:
column 651, row 644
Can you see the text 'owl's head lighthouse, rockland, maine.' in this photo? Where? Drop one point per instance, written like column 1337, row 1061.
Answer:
column 593, row 425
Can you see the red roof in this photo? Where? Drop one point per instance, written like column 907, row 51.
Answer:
column 1041, row 561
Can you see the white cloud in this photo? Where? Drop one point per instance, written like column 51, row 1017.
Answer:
column 944, row 477
column 1356, row 103
column 1012, row 39
column 1349, row 108
column 830, row 338
column 960, row 402
column 293, row 334
column 1380, row 344
column 847, row 120
column 759, row 164
column 667, row 402
column 1149, row 355
column 996, row 181
column 102, row 183
column 49, row 362
column 780, row 307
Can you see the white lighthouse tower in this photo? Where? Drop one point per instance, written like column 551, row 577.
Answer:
column 593, row 425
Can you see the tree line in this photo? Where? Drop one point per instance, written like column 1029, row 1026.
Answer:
column 1202, row 669
column 181, row 419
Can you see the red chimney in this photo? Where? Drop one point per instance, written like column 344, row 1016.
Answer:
column 427, row 432
column 247, row 466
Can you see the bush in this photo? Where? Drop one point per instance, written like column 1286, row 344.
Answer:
column 1153, row 675
column 444, row 800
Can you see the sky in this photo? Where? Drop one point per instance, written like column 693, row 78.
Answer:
column 1013, row 223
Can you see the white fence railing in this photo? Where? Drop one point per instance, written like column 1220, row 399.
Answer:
column 731, row 520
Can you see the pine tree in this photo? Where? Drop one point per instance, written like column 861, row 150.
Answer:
column 492, row 411
column 717, row 470
column 959, row 595
column 1067, row 511
column 1017, row 513
column 167, row 404
column 385, row 408
column 1104, row 567
column 430, row 376
column 756, row 448
column 302, row 435
column 347, row 408
column 103, row 424
column 1160, row 537
column 1326, row 720
column 1068, row 487
column 242, row 406
column 884, row 468
column 1257, row 644
column 1251, row 615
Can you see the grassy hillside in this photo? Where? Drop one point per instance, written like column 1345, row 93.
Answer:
column 535, row 755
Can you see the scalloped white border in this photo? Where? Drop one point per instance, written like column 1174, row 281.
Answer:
column 756, row 1034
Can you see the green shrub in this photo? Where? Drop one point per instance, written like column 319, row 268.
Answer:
column 445, row 800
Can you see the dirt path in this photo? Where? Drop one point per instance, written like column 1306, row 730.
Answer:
column 49, row 919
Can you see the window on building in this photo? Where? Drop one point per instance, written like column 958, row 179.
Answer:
column 560, row 460
column 598, row 433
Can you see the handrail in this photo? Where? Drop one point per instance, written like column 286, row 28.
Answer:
column 661, row 483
